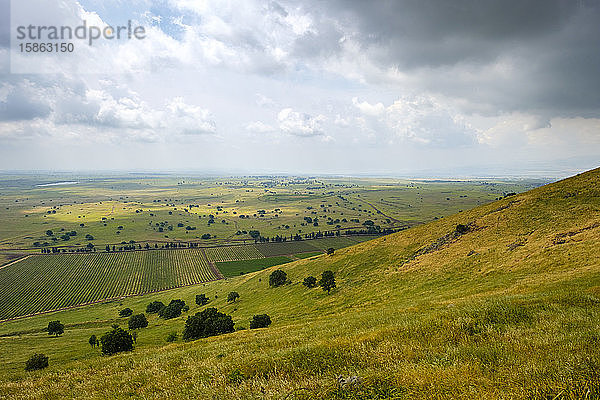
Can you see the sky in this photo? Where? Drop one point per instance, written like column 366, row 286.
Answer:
column 399, row 88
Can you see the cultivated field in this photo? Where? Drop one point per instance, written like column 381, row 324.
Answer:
column 232, row 253
column 49, row 282
column 164, row 208
column 38, row 283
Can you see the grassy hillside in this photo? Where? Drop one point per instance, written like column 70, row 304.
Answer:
column 508, row 309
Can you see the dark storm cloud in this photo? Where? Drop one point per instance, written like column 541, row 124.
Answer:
column 435, row 33
column 551, row 49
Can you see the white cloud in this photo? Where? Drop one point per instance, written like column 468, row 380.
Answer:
column 372, row 110
column 300, row 124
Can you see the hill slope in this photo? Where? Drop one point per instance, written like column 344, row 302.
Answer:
column 508, row 308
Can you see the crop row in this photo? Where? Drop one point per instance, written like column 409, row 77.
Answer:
column 42, row 283
column 232, row 253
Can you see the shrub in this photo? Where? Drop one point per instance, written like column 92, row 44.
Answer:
column 126, row 312
column 36, row 361
column 201, row 299
column 277, row 278
column 462, row 229
column 173, row 310
column 137, row 321
column 260, row 321
column 232, row 296
column 115, row 341
column 327, row 281
column 207, row 323
column 55, row 328
column 172, row 337
column 310, row 282
column 154, row 307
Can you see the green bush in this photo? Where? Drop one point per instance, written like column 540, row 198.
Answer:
column 126, row 312
column 201, row 299
column 116, row 341
column 310, row 282
column 232, row 296
column 277, row 278
column 36, row 361
column 462, row 229
column 137, row 321
column 260, row 321
column 206, row 323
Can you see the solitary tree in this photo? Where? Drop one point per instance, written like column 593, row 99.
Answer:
column 277, row 278
column 115, row 341
column 260, row 321
column 327, row 281
column 93, row 341
column 55, row 328
column 232, row 297
column 36, row 361
column 330, row 251
column 310, row 282
column 137, row 321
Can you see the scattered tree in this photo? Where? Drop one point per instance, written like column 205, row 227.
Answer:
column 206, row 323
column 55, row 328
column 327, row 281
column 154, row 307
column 115, row 341
column 126, row 312
column 310, row 282
column 232, row 297
column 260, row 321
column 137, row 321
column 201, row 299
column 36, row 361
column 277, row 278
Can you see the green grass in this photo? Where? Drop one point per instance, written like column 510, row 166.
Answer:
column 236, row 268
column 423, row 313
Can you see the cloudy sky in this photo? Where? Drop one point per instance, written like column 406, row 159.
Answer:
column 441, row 88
